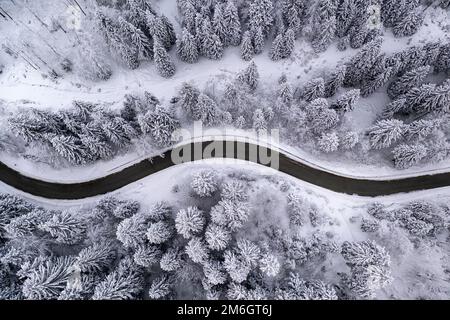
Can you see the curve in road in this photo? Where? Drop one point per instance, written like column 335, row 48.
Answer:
column 114, row 181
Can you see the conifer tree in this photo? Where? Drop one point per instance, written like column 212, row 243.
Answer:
column 189, row 222
column 232, row 23
column 249, row 76
column 323, row 25
column 247, row 48
column 386, row 132
column 218, row 22
column 260, row 15
column 277, row 49
column 163, row 62
column 47, row 278
column 258, row 40
column 212, row 47
column 408, row 81
column 347, row 101
column 124, row 283
column 409, row 24
column 314, row 89
column 259, row 121
column 334, row 81
column 187, row 47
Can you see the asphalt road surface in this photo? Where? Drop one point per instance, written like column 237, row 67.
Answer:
column 145, row 168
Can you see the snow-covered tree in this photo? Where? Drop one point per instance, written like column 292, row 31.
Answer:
column 64, row 227
column 126, row 209
column 117, row 41
column 392, row 108
column 258, row 40
column 47, row 278
column 260, row 15
column 409, row 24
column 95, row 258
column 373, row 83
column 370, row 268
column 249, row 76
column 159, row 232
column 347, row 101
column 259, row 121
column 211, row 45
column 197, row 250
column 69, row 148
column 328, row 142
column 296, row 208
column 323, row 24
column 163, row 62
column 189, row 222
column 171, row 260
column 345, row 13
column 321, row 118
column 406, row 156
column 420, row 129
column 408, row 81
column 247, row 48
column 314, row 89
column 204, row 183
column 359, row 66
column 124, row 283
column 335, row 81
column 217, row 237
column 132, row 231
column 205, row 110
column 188, row 98
column 386, row 132
column 236, row 266
column 443, row 59
column 277, row 50
column 235, row 191
column 214, row 273
column 219, row 23
column 160, row 124
column 147, row 255
column 349, row 140
column 161, row 287
column 270, row 265
column 187, row 48
column 232, row 24
column 24, row 225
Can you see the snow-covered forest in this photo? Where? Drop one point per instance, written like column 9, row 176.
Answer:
column 357, row 87
column 375, row 92
column 224, row 234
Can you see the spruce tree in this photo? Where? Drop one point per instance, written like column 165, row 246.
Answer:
column 249, row 76
column 232, row 23
column 313, row 89
column 163, row 62
column 260, row 15
column 247, row 48
column 212, row 47
column 334, row 81
column 323, row 25
column 409, row 24
column 386, row 132
column 406, row 156
column 408, row 81
column 277, row 49
column 258, row 40
column 187, row 47
column 347, row 101
column 218, row 23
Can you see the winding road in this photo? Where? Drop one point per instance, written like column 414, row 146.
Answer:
column 294, row 168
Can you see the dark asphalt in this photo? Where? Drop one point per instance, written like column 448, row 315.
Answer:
column 145, row 168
